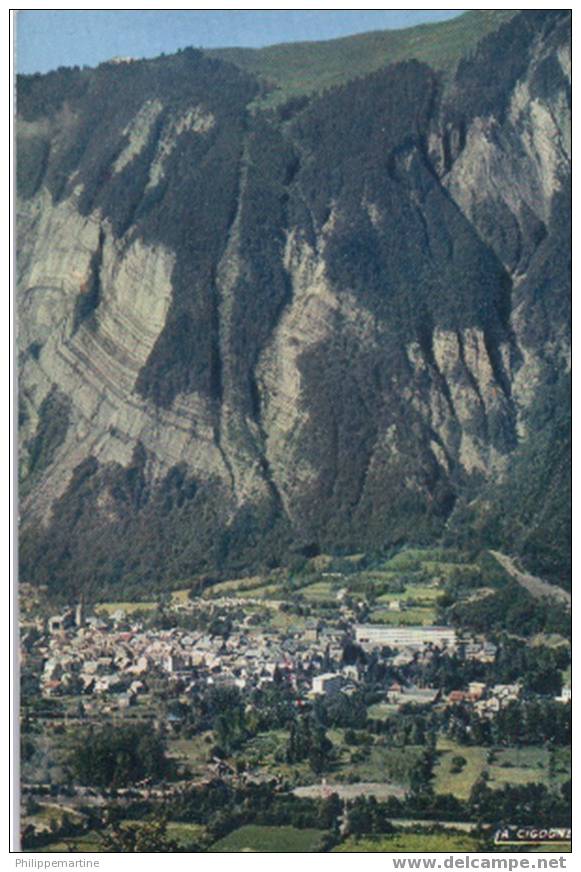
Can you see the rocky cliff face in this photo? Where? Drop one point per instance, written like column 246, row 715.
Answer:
column 337, row 325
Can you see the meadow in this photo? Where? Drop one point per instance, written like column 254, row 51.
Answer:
column 401, row 842
column 302, row 68
column 193, row 753
column 130, row 608
column 382, row 710
column 529, row 764
column 525, row 765
column 459, row 784
column 262, row 839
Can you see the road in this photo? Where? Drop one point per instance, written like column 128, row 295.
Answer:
column 535, row 586
column 380, row 790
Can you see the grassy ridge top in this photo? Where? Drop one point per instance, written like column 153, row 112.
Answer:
column 295, row 69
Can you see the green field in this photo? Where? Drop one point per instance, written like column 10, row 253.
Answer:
column 192, row 752
column 563, row 763
column 185, row 834
column 412, row 617
column 87, row 843
column 301, row 68
column 412, row 842
column 381, row 764
column 445, row 568
column 321, row 591
column 271, row 618
column 129, row 608
column 426, row 594
column 458, row 784
column 417, row 600
column 255, row 839
column 550, row 640
column 262, row 591
column 234, row 586
column 528, row 765
column 382, row 710
column 285, row 621
column 413, row 558
column 180, row 597
column 265, row 745
column 552, row 849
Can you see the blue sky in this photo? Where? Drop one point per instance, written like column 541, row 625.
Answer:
column 49, row 39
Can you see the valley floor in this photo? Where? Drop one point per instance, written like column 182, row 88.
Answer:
column 270, row 727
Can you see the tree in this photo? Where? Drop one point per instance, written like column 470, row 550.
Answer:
column 116, row 757
column 330, row 810
column 299, row 741
column 458, row 763
column 147, row 838
column 339, row 710
column 320, row 751
column 544, row 679
column 230, row 730
column 308, row 741
column 359, row 820
column 367, row 815
column 420, row 776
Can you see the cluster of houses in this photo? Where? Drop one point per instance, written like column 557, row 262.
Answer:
column 486, row 701
column 120, row 657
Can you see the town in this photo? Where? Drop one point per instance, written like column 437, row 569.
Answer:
column 343, row 680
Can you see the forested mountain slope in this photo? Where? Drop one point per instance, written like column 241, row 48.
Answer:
column 250, row 328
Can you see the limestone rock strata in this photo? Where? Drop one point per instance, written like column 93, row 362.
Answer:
column 409, row 308
column 97, row 364
column 515, row 166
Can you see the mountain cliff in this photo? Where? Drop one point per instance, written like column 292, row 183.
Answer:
column 259, row 319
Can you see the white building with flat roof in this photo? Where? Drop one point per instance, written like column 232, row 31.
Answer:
column 328, row 683
column 405, row 637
